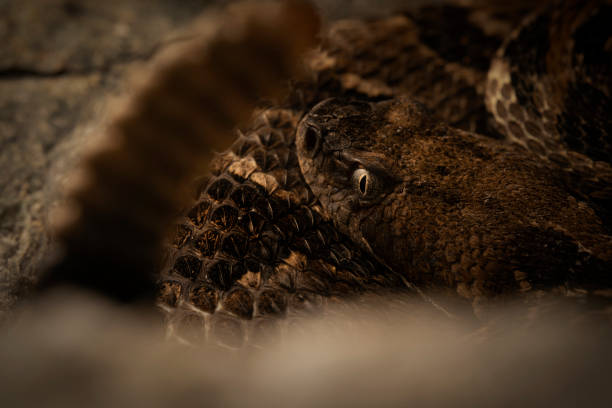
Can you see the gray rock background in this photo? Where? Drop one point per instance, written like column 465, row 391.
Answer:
column 59, row 61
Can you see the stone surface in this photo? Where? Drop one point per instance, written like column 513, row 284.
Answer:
column 59, row 62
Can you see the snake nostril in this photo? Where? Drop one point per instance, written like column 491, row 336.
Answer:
column 311, row 140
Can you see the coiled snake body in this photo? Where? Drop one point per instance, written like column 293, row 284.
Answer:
column 460, row 149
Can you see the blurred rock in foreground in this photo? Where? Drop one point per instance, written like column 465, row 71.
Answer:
column 59, row 61
column 74, row 350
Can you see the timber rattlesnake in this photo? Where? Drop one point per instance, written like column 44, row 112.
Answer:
column 257, row 243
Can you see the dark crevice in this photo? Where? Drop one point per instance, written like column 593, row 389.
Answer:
column 21, row 73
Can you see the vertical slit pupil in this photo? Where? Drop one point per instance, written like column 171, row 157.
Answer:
column 363, row 184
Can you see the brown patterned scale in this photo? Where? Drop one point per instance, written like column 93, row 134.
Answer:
column 550, row 91
column 254, row 244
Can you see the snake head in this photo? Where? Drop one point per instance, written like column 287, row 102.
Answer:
column 353, row 156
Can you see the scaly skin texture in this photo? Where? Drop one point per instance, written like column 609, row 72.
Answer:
column 254, row 245
column 426, row 53
column 254, row 252
column 550, row 90
column 227, row 269
column 445, row 207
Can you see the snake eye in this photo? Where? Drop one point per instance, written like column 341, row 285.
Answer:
column 363, row 182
